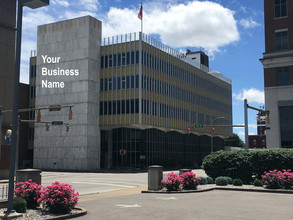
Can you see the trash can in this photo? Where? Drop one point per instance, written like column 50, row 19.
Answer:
column 26, row 174
column 184, row 171
column 155, row 176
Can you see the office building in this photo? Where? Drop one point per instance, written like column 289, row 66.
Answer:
column 136, row 101
column 278, row 71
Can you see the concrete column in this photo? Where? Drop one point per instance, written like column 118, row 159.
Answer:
column 72, row 45
column 110, row 148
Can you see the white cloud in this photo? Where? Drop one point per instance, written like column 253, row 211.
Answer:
column 73, row 14
column 252, row 95
column 194, row 24
column 32, row 19
column 63, row 3
column 89, row 5
column 248, row 23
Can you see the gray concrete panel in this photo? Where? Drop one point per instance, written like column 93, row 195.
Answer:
column 77, row 43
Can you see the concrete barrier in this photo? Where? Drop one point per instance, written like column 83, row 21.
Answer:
column 26, row 174
column 155, row 176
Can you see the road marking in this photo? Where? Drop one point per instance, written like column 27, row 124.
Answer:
column 106, row 184
column 129, row 206
column 167, row 198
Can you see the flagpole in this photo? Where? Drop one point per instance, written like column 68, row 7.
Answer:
column 141, row 24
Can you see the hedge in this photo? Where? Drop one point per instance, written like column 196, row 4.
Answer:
column 245, row 164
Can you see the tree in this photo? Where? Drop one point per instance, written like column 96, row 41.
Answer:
column 234, row 141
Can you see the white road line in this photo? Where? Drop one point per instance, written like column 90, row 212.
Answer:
column 169, row 198
column 106, row 184
column 129, row 206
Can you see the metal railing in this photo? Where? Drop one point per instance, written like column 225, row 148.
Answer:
column 4, row 192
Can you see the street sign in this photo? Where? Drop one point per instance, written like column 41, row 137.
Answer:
column 198, row 126
column 57, row 123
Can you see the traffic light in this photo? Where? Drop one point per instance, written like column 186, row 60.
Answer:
column 39, row 117
column 67, row 127
column 47, row 127
column 213, row 129
column 70, row 114
column 188, row 129
column 268, row 117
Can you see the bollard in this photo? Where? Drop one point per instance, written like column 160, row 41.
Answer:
column 184, row 171
column 26, row 174
column 155, row 176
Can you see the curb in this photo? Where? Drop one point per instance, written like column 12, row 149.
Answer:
column 185, row 191
column 256, row 190
column 223, row 189
column 82, row 212
column 67, row 216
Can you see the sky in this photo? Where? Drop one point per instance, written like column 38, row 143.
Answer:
column 231, row 32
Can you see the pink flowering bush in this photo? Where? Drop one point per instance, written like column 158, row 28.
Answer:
column 29, row 191
column 58, row 198
column 276, row 179
column 172, row 182
column 189, row 180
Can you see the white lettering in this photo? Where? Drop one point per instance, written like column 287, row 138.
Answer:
column 47, row 59
column 44, row 58
column 52, row 85
column 44, row 71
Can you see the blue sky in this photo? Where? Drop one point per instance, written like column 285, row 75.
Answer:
column 230, row 31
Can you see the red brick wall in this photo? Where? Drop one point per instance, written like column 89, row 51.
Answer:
column 272, row 24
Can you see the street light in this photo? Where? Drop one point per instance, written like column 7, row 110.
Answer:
column 31, row 4
column 212, row 137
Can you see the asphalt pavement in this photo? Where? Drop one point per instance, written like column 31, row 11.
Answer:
column 212, row 205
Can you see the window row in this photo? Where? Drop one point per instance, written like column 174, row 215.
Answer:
column 153, row 85
column 163, row 88
column 119, row 107
column 156, row 63
column 187, row 76
column 155, row 109
column 120, row 59
column 119, row 83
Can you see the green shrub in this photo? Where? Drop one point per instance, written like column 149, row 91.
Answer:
column 257, row 182
column 203, row 180
column 210, row 180
column 19, row 205
column 237, row 182
column 244, row 164
column 229, row 179
column 221, row 181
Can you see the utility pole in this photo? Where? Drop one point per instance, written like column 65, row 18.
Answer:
column 246, row 124
column 0, row 129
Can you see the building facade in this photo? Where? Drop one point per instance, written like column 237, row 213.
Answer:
column 148, row 101
column 259, row 140
column 278, row 71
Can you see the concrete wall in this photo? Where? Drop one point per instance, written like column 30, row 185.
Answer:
column 272, row 96
column 7, row 47
column 77, row 43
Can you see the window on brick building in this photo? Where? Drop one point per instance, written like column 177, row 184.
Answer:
column 283, row 78
column 281, row 40
column 280, row 8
